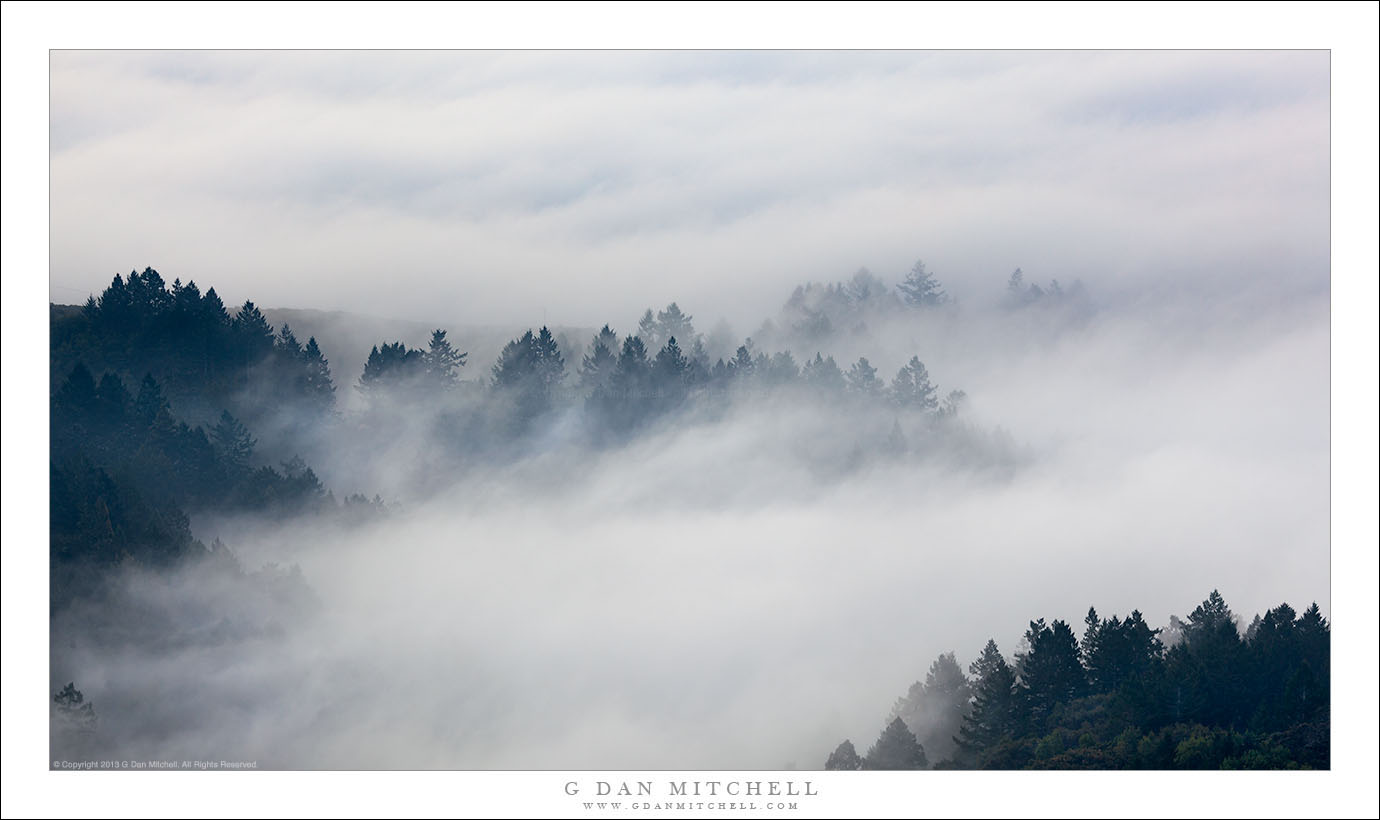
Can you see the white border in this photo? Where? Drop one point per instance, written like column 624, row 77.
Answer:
column 30, row 29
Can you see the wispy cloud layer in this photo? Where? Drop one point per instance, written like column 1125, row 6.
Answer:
column 480, row 186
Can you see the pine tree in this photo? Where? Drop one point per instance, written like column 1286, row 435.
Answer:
column 823, row 374
column 920, row 289
column 233, row 441
column 213, row 309
column 993, row 715
column 317, row 383
column 1051, row 673
column 596, row 369
column 287, row 345
column 112, row 399
column 550, row 364
column 671, row 322
column 150, row 404
column 742, row 364
column 670, row 364
column 78, row 392
column 441, row 361
column 254, row 333
column 896, row 748
column 391, row 367
column 862, row 379
column 912, row 388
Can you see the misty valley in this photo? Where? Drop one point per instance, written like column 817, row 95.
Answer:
column 295, row 539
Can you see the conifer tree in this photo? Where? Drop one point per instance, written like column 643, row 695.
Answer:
column 920, row 289
column 896, row 748
column 843, row 758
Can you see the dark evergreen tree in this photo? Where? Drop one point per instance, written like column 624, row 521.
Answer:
column 233, row 441
column 317, row 385
column 549, row 362
column 670, row 366
column 287, row 345
column 896, row 748
column 994, row 715
column 391, row 368
column 912, row 388
column 254, row 333
column 1051, row 673
column 150, row 403
column 442, row 362
column 78, row 392
column 742, row 365
column 113, row 401
column 214, row 310
column 596, row 369
column 631, row 371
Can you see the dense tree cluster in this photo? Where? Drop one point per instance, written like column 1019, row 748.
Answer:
column 157, row 390
column 205, row 358
column 1120, row 699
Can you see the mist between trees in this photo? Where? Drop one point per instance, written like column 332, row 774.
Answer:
column 256, row 556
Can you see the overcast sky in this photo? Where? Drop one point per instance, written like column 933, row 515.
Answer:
column 581, row 187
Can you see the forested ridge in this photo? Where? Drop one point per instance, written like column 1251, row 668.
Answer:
column 1197, row 694
column 158, row 392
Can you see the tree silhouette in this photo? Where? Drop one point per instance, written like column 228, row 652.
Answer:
column 912, row 388
column 920, row 289
column 896, row 748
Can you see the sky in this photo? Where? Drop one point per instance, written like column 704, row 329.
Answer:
column 581, row 187
column 577, row 188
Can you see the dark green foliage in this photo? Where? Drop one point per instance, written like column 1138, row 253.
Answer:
column 254, row 333
column 391, row 367
column 233, row 441
column 527, row 375
column 1119, row 700
column 1116, row 651
column 994, row 715
column 188, row 343
column 896, row 748
column 1050, row 673
column 316, row 379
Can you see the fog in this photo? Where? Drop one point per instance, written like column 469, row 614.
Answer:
column 739, row 585
column 469, row 188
